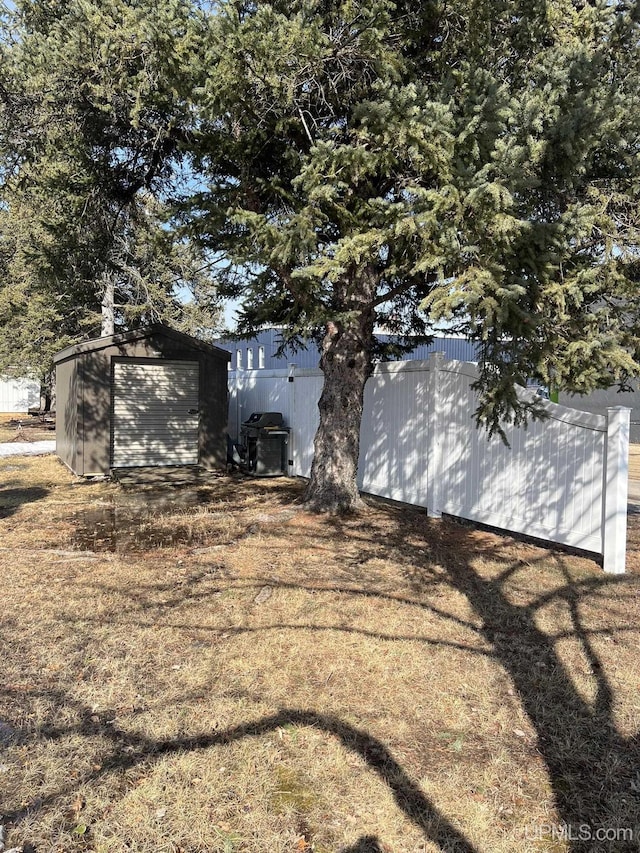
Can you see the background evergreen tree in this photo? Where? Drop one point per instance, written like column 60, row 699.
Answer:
column 94, row 101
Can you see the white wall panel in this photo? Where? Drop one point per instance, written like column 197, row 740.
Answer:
column 394, row 433
column 547, row 482
column 258, row 391
column 306, row 417
column 18, row 395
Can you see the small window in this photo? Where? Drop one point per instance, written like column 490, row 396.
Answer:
column 249, row 359
column 261, row 357
column 239, row 359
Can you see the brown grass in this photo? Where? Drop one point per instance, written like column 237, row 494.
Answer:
column 634, row 461
column 213, row 669
column 23, row 427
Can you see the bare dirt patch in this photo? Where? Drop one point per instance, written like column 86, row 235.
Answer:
column 210, row 668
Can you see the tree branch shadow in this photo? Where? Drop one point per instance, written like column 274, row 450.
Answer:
column 132, row 749
column 365, row 844
column 590, row 764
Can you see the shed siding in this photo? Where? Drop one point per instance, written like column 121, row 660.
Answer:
column 67, row 395
column 214, row 399
column 94, row 433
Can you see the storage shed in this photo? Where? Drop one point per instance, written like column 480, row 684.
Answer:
column 149, row 397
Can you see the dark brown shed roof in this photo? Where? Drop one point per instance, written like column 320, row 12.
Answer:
column 138, row 334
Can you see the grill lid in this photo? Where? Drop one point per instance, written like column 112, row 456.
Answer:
column 259, row 420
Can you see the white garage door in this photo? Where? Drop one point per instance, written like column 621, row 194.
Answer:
column 155, row 413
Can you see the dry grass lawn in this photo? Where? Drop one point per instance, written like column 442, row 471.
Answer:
column 212, row 669
column 23, row 427
column 634, row 461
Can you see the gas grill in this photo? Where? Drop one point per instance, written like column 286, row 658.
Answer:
column 263, row 444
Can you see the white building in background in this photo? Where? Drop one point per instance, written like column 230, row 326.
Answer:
column 599, row 401
column 17, row 396
column 261, row 351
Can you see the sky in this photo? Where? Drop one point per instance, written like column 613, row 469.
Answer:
column 229, row 318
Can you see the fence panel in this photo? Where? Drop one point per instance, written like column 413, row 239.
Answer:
column 305, row 419
column 394, row 441
column 257, row 391
column 546, row 483
column 562, row 479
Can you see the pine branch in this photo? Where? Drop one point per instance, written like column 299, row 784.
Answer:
column 404, row 287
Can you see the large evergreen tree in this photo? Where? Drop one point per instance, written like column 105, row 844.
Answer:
column 386, row 164
column 351, row 166
column 94, row 102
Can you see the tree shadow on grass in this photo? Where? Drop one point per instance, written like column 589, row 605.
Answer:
column 12, row 499
column 592, row 767
column 132, row 749
column 366, row 844
column 594, row 770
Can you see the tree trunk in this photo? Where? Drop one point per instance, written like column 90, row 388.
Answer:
column 47, row 391
column 346, row 364
column 108, row 307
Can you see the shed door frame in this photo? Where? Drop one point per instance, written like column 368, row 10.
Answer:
column 189, row 452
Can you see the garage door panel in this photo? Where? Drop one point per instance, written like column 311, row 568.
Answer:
column 152, row 424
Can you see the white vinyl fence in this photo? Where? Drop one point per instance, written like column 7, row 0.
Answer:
column 562, row 479
column 18, row 395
